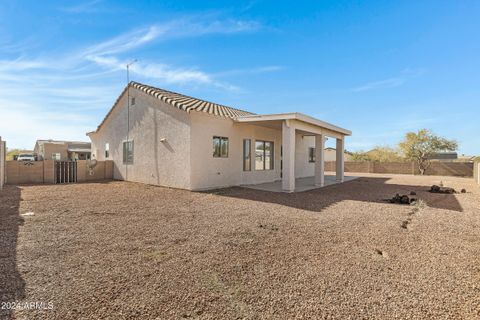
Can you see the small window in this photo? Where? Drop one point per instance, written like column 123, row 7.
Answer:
column 311, row 154
column 133, row 101
column 247, row 155
column 128, row 152
column 107, row 150
column 264, row 155
column 220, row 147
column 56, row 156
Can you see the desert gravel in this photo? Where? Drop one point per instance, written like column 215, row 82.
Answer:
column 122, row 250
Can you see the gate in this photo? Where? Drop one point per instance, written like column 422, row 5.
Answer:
column 65, row 172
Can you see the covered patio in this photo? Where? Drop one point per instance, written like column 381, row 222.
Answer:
column 291, row 124
column 301, row 184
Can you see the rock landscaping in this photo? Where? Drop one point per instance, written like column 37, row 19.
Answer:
column 123, row 250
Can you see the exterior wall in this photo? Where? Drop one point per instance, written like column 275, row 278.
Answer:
column 49, row 148
column 303, row 168
column 155, row 162
column 461, row 169
column 209, row 172
column 19, row 172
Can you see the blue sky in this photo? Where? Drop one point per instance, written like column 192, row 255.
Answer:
column 379, row 68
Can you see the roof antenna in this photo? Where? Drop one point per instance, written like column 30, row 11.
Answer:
column 128, row 117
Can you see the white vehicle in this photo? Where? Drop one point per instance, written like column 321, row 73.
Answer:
column 26, row 157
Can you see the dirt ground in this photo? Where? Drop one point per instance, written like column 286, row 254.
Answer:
column 123, row 250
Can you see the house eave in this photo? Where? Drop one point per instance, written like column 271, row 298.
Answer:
column 294, row 116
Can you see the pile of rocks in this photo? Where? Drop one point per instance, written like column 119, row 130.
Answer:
column 404, row 199
column 446, row 190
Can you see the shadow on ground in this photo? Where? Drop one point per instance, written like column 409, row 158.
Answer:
column 366, row 189
column 12, row 285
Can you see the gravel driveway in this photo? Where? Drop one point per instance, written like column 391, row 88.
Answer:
column 123, row 250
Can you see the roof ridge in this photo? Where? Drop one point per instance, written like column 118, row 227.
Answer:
column 186, row 96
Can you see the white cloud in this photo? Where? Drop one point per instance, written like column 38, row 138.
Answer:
column 106, row 53
column 393, row 82
column 125, row 42
column 382, row 84
column 65, row 95
column 179, row 28
column 20, row 64
column 84, row 7
column 247, row 71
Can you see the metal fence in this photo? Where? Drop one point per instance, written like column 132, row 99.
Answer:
column 65, row 172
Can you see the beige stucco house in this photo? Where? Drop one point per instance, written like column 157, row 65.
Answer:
column 164, row 138
column 62, row 150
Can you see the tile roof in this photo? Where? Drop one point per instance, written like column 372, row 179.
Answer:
column 188, row 104
column 182, row 102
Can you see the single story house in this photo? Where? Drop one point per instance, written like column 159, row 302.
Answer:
column 444, row 156
column 62, row 150
column 160, row 137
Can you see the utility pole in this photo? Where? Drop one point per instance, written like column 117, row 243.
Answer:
column 128, row 116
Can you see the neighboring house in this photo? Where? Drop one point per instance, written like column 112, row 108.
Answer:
column 330, row 154
column 62, row 150
column 169, row 139
column 444, row 156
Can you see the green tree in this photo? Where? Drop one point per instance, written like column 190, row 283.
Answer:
column 422, row 145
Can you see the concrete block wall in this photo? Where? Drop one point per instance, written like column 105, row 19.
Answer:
column 459, row 169
column 43, row 172
column 476, row 170
column 19, row 172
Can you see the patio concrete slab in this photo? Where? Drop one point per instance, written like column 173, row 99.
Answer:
column 301, row 184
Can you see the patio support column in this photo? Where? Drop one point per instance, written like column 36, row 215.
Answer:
column 320, row 160
column 288, row 156
column 340, row 160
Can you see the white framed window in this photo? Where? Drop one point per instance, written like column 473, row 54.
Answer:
column 220, row 147
column 107, row 150
column 56, row 156
column 264, row 157
column 128, row 152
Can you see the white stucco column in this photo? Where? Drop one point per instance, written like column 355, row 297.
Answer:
column 288, row 156
column 340, row 159
column 320, row 160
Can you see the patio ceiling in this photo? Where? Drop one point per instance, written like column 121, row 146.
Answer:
column 307, row 125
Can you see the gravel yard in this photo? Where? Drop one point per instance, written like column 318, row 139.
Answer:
column 123, row 250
